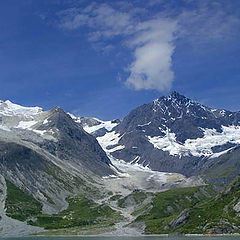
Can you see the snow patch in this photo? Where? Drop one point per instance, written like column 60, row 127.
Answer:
column 108, row 125
column 45, row 121
column 29, row 124
column 197, row 147
column 109, row 139
column 146, row 124
column 126, row 167
column 216, row 155
column 8, row 108
column 26, row 124
column 41, row 132
column 117, row 148
column 109, row 176
column 4, row 128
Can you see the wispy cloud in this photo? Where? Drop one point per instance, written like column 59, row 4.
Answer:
column 208, row 21
column 103, row 19
column 151, row 41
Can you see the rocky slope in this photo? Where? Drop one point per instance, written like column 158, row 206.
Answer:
column 223, row 169
column 194, row 211
column 10, row 227
column 46, row 157
column 48, row 154
column 54, row 162
column 171, row 134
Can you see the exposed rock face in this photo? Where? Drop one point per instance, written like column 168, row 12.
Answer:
column 237, row 207
column 74, row 144
column 10, row 227
column 183, row 116
column 223, row 169
column 171, row 122
column 48, row 154
column 173, row 134
column 2, row 196
column 181, row 219
column 53, row 155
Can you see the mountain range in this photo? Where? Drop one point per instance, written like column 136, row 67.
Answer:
column 170, row 134
column 114, row 169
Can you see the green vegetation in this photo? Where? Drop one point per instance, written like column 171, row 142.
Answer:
column 217, row 215
column 82, row 230
column 20, row 205
column 55, row 172
column 135, row 198
column 139, row 196
column 184, row 210
column 110, row 193
column 142, row 210
column 166, row 206
column 115, row 197
column 81, row 212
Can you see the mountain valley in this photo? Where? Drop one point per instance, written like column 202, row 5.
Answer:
column 154, row 171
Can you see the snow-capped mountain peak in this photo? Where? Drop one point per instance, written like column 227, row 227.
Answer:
column 174, row 97
column 171, row 128
column 95, row 126
column 176, row 103
column 7, row 108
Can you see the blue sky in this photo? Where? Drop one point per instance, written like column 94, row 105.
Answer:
column 104, row 58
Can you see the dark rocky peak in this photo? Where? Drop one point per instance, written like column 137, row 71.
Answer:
column 56, row 109
column 178, row 114
column 74, row 144
column 176, row 103
column 163, row 111
column 175, row 97
column 61, row 120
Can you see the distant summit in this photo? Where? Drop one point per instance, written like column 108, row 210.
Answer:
column 172, row 133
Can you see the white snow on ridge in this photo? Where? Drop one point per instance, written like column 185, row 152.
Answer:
column 76, row 119
column 109, row 139
column 26, row 124
column 197, row 147
column 215, row 155
column 119, row 147
column 45, row 121
column 29, row 126
column 146, row 124
column 41, row 132
column 108, row 125
column 4, row 128
column 8, row 108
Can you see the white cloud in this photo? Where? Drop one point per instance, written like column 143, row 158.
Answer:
column 153, row 50
column 150, row 42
